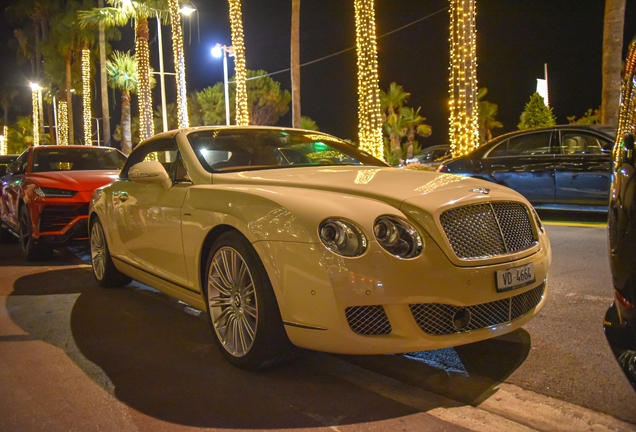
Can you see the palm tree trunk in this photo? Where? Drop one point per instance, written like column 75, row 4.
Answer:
column 295, row 63
column 5, row 107
column 142, row 53
column 612, row 49
column 69, row 98
column 103, row 80
column 126, row 135
column 50, row 122
column 36, row 34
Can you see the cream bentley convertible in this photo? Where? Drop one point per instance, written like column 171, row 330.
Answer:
column 290, row 237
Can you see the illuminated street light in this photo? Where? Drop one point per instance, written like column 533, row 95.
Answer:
column 218, row 51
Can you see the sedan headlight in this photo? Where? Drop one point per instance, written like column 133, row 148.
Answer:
column 397, row 237
column 342, row 237
column 45, row 192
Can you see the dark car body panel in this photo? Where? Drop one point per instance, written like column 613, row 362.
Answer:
column 566, row 166
column 620, row 320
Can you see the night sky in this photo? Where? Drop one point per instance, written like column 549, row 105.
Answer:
column 514, row 40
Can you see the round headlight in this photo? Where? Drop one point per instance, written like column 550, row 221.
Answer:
column 397, row 237
column 342, row 237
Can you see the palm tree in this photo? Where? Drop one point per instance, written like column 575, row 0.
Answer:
column 486, row 118
column 7, row 96
column 612, row 49
column 122, row 75
column 396, row 128
column 392, row 101
column 295, row 63
column 69, row 39
column 415, row 125
column 119, row 14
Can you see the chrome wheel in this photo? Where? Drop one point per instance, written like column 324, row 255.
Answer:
column 98, row 251
column 232, row 301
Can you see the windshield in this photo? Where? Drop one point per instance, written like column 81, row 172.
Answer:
column 77, row 159
column 237, row 150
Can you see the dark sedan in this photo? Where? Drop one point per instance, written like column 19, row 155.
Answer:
column 565, row 167
column 620, row 320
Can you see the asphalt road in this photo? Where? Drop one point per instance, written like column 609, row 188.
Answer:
column 74, row 356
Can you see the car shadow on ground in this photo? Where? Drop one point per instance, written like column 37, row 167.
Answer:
column 142, row 348
column 11, row 255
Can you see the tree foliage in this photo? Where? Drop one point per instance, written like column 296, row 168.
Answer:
column 487, row 116
column 590, row 117
column 266, row 101
column 536, row 114
column 401, row 123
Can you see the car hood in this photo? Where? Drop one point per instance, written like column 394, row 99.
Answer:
column 394, row 186
column 74, row 180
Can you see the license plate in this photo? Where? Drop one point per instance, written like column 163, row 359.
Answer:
column 516, row 277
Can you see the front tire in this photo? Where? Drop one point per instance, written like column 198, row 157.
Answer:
column 31, row 248
column 242, row 307
column 104, row 270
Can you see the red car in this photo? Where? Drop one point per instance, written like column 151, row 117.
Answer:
column 45, row 195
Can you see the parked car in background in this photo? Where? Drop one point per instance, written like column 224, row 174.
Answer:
column 564, row 167
column 44, row 197
column 620, row 319
column 431, row 156
column 290, row 237
column 5, row 162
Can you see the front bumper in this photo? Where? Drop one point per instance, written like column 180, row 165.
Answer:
column 378, row 304
column 621, row 336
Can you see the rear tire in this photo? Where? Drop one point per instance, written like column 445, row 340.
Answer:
column 104, row 270
column 31, row 248
column 242, row 306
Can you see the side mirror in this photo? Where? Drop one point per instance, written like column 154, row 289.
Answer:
column 15, row 167
column 150, row 172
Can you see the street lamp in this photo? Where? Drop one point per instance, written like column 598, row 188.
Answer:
column 218, row 51
column 187, row 9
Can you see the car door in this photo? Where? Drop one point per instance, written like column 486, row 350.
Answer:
column 11, row 186
column 147, row 217
column 583, row 168
column 525, row 163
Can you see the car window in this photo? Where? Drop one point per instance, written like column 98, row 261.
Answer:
column 235, row 150
column 20, row 164
column 76, row 159
column 529, row 144
column 165, row 151
column 499, row 150
column 582, row 143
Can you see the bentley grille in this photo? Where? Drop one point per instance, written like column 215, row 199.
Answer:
column 488, row 230
column 368, row 320
column 443, row 319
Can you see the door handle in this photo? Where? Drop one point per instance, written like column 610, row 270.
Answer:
column 122, row 195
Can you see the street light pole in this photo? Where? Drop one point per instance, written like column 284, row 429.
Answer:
column 223, row 50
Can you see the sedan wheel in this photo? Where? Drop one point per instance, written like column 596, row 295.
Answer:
column 104, row 270
column 242, row 306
